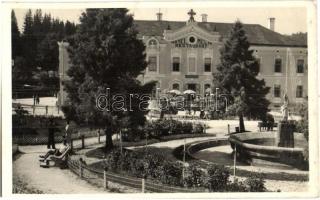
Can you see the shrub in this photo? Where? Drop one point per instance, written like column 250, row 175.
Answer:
column 112, row 160
column 217, row 178
column 236, row 186
column 198, row 129
column 187, row 127
column 194, row 176
column 138, row 168
column 125, row 161
column 171, row 173
column 255, row 183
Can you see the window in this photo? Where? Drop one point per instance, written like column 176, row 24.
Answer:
column 207, row 64
column 152, row 64
column 299, row 91
column 277, row 65
column 300, row 66
column 192, row 64
column 277, row 91
column 152, row 42
column 176, row 64
column 176, row 86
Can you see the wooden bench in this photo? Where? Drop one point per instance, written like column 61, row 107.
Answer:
column 58, row 160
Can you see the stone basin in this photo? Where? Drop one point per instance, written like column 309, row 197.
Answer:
column 258, row 148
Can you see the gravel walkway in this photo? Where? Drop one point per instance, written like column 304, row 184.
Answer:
column 50, row 180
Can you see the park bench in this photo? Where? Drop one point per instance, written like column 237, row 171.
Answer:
column 58, row 160
column 266, row 126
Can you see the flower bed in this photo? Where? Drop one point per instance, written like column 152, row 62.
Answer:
column 160, row 128
column 155, row 167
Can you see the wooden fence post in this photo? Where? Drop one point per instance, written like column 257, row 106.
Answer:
column 143, row 185
column 82, row 141
column 105, row 182
column 228, row 129
column 80, row 169
column 71, row 143
column 99, row 136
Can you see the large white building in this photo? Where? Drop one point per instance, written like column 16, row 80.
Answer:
column 183, row 55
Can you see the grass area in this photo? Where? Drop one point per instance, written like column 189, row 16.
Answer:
column 99, row 152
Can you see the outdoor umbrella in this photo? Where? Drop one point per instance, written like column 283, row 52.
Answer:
column 189, row 92
column 176, row 92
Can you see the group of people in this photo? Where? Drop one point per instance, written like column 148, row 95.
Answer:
column 52, row 151
column 36, row 99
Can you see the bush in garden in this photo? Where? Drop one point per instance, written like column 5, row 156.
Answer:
column 177, row 128
column 171, row 173
column 217, row 178
column 112, row 160
column 198, row 129
column 236, row 186
column 125, row 161
column 152, row 163
column 194, row 176
column 255, row 183
column 187, row 127
column 138, row 168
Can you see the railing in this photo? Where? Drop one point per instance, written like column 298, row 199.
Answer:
column 40, row 110
column 101, row 178
column 38, row 140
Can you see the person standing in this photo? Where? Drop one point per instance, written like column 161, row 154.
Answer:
column 51, row 130
column 34, row 99
column 68, row 132
column 38, row 99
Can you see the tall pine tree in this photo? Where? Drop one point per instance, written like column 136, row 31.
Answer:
column 105, row 53
column 237, row 77
column 15, row 36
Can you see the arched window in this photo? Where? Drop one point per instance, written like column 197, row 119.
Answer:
column 152, row 42
column 176, row 86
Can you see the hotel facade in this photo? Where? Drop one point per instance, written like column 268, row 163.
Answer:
column 184, row 55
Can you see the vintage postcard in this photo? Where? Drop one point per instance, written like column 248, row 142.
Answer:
column 160, row 99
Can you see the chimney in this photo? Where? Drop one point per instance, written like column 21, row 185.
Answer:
column 272, row 23
column 204, row 17
column 159, row 16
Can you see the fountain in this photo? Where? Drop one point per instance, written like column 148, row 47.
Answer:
column 282, row 148
column 285, row 136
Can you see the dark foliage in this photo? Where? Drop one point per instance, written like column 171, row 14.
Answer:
column 236, row 77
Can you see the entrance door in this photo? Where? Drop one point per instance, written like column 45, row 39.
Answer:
column 192, row 86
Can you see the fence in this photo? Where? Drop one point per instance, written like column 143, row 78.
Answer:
column 39, row 109
column 101, row 178
column 32, row 140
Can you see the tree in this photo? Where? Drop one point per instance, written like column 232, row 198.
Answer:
column 237, row 77
column 29, row 42
column 48, row 53
column 70, row 28
column 105, row 53
column 15, row 39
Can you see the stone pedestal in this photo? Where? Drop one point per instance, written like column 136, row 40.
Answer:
column 284, row 137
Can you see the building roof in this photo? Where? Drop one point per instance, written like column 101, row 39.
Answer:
column 257, row 34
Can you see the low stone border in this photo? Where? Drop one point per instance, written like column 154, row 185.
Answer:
column 194, row 147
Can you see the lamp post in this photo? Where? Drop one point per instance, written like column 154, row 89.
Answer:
column 217, row 89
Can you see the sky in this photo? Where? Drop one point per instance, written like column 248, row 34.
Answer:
column 288, row 19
